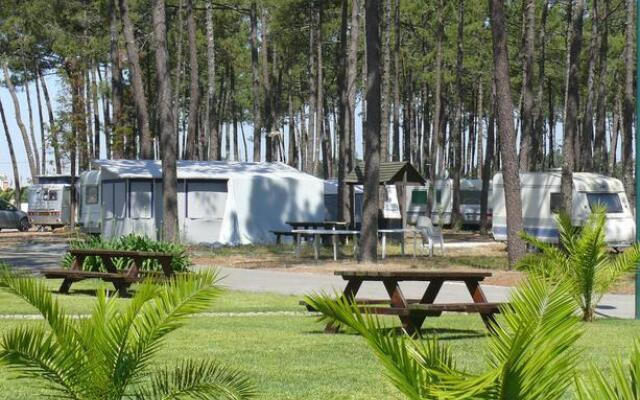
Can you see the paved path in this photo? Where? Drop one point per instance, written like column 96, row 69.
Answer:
column 300, row 283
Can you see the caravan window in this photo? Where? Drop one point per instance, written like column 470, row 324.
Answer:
column 611, row 201
column 107, row 200
column 50, row 195
column 91, row 194
column 471, row 197
column 119, row 199
column 419, row 197
column 140, row 199
column 206, row 199
column 555, row 202
column 438, row 196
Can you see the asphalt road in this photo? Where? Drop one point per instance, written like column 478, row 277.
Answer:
column 40, row 254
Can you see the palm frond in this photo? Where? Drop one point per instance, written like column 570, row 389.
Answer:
column 533, row 346
column 412, row 367
column 33, row 352
column 37, row 294
column 168, row 310
column 622, row 384
column 204, row 380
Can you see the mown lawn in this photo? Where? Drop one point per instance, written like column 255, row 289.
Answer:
column 289, row 357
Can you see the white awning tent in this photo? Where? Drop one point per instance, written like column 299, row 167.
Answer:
column 219, row 202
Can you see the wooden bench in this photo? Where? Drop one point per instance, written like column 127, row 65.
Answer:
column 413, row 312
column 121, row 279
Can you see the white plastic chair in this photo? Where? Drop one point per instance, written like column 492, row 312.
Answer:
column 430, row 233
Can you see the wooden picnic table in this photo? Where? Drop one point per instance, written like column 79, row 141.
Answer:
column 121, row 279
column 413, row 312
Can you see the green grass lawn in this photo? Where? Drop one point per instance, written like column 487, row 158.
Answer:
column 289, row 357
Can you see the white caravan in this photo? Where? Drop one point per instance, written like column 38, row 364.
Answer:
column 470, row 194
column 89, row 204
column 50, row 201
column 541, row 201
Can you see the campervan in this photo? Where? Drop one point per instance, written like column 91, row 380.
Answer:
column 331, row 201
column 49, row 201
column 470, row 194
column 89, row 205
column 541, row 202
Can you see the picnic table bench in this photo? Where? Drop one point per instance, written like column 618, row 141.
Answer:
column 121, row 279
column 413, row 312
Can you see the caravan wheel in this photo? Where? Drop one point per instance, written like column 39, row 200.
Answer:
column 24, row 225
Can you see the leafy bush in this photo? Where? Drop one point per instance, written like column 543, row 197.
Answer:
column 180, row 261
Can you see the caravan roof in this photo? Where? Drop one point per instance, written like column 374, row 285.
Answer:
column 152, row 169
column 582, row 181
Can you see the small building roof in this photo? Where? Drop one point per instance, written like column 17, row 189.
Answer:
column 390, row 173
column 152, row 169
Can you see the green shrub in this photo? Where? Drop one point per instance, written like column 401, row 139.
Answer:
column 180, row 261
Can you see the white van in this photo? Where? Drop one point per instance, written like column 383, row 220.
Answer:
column 541, row 201
column 470, row 195
column 49, row 204
column 89, row 205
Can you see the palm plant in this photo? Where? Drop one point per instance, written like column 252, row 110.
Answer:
column 623, row 384
column 531, row 354
column 110, row 354
column 582, row 259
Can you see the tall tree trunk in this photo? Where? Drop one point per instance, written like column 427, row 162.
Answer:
column 628, row 106
column 456, row 135
column 369, row 230
column 292, row 156
column 386, row 81
column 573, row 97
column 584, row 157
column 32, row 134
column 106, row 115
column 616, row 126
column 487, row 167
column 194, row 91
column 212, row 120
column 43, row 140
column 396, row 82
column 267, row 90
column 552, row 122
column 600, row 160
column 320, row 134
column 75, row 73
column 53, row 129
column 511, row 179
column 480, row 130
column 12, row 155
column 139, row 97
column 528, row 136
column 167, row 126
column 117, row 132
column 437, row 152
column 343, row 118
column 33, row 166
column 96, row 113
column 179, row 71
column 538, row 115
column 352, row 72
column 88, row 111
column 255, row 83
